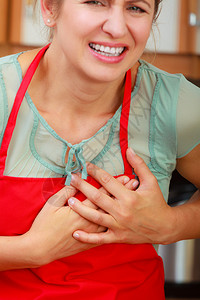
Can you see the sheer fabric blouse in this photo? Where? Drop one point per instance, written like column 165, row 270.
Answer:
column 164, row 125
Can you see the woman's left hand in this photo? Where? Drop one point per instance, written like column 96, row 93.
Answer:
column 133, row 217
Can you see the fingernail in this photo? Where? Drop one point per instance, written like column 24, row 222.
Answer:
column 71, row 201
column 76, row 235
column 126, row 180
column 135, row 184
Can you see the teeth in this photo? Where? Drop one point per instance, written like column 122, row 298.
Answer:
column 102, row 49
column 97, row 47
column 107, row 51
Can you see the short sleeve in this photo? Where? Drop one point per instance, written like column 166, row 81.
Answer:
column 188, row 117
column 10, row 78
column 3, row 106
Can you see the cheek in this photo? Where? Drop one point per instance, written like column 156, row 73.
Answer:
column 141, row 31
column 80, row 21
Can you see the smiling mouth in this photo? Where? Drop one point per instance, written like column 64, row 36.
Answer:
column 107, row 51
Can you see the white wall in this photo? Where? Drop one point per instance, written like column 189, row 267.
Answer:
column 167, row 31
column 33, row 30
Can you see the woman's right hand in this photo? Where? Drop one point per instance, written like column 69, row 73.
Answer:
column 50, row 236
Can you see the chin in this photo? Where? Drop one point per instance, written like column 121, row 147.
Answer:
column 107, row 74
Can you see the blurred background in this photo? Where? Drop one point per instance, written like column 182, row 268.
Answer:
column 173, row 46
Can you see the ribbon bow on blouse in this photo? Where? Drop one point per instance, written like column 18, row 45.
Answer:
column 77, row 165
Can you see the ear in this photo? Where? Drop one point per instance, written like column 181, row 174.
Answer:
column 48, row 13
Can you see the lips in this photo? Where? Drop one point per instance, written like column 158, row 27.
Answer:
column 106, row 50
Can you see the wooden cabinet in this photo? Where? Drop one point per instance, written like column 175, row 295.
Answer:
column 190, row 27
column 3, row 20
column 178, row 28
column 26, row 26
column 18, row 25
column 177, row 38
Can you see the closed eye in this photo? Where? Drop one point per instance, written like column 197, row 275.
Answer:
column 97, row 3
column 136, row 9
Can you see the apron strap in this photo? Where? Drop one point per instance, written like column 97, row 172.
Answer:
column 124, row 123
column 14, row 112
column 20, row 96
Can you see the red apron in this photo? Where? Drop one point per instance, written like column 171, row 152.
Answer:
column 107, row 272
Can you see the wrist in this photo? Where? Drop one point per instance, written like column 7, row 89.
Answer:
column 16, row 253
column 34, row 252
column 181, row 224
column 171, row 227
column 187, row 224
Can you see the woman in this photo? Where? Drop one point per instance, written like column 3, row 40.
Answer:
column 87, row 97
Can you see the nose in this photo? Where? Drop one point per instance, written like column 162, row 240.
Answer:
column 115, row 24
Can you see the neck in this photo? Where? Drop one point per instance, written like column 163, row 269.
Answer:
column 70, row 92
column 76, row 91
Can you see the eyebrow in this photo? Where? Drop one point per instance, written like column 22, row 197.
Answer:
column 144, row 1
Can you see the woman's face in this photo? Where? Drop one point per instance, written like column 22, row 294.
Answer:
column 102, row 39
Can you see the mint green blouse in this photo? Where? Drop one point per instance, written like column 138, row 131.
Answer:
column 164, row 125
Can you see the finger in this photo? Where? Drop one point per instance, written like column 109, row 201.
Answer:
column 112, row 185
column 132, row 184
column 139, row 166
column 90, row 214
column 123, row 179
column 101, row 229
column 88, row 203
column 95, row 238
column 60, row 198
column 93, row 194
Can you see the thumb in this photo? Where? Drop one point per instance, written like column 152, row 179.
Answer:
column 139, row 166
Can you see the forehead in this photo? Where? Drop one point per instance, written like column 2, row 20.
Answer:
column 146, row 2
